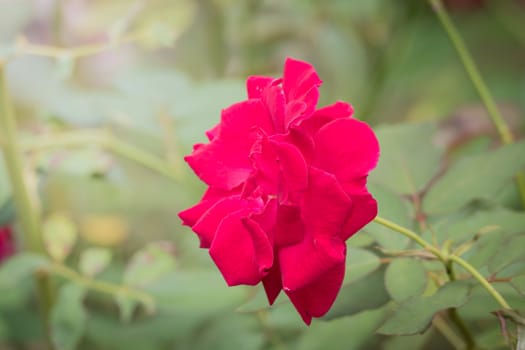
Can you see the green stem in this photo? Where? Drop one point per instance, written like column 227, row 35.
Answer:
column 478, row 82
column 104, row 287
column 482, row 280
column 106, row 140
column 445, row 259
column 412, row 235
column 27, row 216
column 470, row 343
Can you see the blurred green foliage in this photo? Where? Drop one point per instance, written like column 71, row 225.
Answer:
column 156, row 75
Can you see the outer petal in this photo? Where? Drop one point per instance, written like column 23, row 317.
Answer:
column 363, row 211
column 325, row 115
column 255, row 85
column 301, row 88
column 272, row 282
column 191, row 215
column 347, row 148
column 316, row 299
column 208, row 223
column 243, row 255
column 306, row 262
column 224, row 162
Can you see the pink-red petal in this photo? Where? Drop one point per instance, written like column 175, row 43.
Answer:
column 364, row 210
column 315, row 299
column 224, row 162
column 240, row 258
column 347, row 148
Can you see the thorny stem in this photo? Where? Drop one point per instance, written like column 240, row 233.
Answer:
column 27, row 215
column 445, row 258
column 104, row 287
column 478, row 82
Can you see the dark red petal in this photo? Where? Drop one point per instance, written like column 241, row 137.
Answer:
column 364, row 210
column 224, row 162
column 347, row 148
column 300, row 82
column 325, row 205
column 307, row 261
column 240, row 258
column 289, row 228
column 191, row 215
column 318, row 297
column 255, row 85
column 208, row 223
column 272, row 281
column 324, row 115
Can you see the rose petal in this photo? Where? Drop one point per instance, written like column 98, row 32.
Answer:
column 289, row 228
column 224, row 162
column 208, row 223
column 240, row 258
column 324, row 115
column 272, row 281
column 191, row 215
column 347, row 148
column 255, row 85
column 364, row 210
column 318, row 297
column 300, row 82
column 325, row 205
column 307, row 261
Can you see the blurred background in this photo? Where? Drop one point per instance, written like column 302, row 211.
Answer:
column 154, row 74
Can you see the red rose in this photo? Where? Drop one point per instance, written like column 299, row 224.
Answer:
column 7, row 247
column 287, row 188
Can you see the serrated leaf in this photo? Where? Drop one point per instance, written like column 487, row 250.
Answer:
column 149, row 264
column 19, row 267
column 360, row 263
column 408, row 160
column 405, row 278
column 94, row 260
column 391, row 206
column 415, row 315
column 68, row 317
column 475, row 177
column 59, row 234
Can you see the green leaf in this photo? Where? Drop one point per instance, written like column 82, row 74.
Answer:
column 391, row 206
column 476, row 177
column 149, row 264
column 405, row 278
column 408, row 158
column 365, row 294
column 94, row 260
column 60, row 235
column 360, row 263
column 511, row 251
column 519, row 284
column 486, row 222
column 415, row 315
column 19, row 267
column 68, row 317
column 345, row 333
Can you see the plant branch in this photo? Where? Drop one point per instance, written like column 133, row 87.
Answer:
column 104, row 287
column 412, row 235
column 479, row 84
column 26, row 214
column 446, row 258
column 106, row 140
